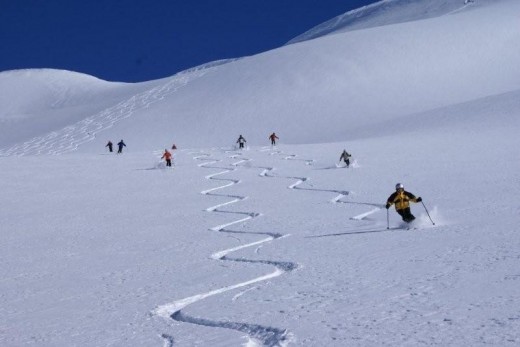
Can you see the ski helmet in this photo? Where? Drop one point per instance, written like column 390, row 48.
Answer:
column 399, row 186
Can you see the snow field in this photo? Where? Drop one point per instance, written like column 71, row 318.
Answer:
column 273, row 246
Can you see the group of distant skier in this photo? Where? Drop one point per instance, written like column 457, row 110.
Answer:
column 167, row 155
column 400, row 198
column 242, row 141
column 120, row 146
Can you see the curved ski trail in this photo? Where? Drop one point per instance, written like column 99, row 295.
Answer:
column 300, row 180
column 258, row 334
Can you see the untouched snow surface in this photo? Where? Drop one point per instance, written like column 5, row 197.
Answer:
column 273, row 245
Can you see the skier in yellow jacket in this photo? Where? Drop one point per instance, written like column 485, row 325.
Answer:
column 401, row 199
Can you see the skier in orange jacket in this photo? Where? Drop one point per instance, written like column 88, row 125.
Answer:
column 168, row 157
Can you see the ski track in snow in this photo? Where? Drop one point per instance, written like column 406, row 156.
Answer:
column 338, row 199
column 258, row 334
column 69, row 138
column 300, row 180
column 168, row 340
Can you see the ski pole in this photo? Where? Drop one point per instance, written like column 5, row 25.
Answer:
column 427, row 212
column 387, row 219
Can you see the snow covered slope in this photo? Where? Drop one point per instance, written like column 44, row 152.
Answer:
column 385, row 12
column 35, row 102
column 273, row 245
column 314, row 91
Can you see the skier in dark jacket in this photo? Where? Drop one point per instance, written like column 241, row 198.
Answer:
column 273, row 139
column 109, row 145
column 345, row 157
column 401, row 199
column 121, row 144
column 241, row 140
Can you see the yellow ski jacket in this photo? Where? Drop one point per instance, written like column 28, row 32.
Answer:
column 401, row 200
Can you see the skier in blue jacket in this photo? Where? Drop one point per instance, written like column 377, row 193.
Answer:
column 121, row 144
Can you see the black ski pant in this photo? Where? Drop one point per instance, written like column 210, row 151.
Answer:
column 168, row 162
column 406, row 214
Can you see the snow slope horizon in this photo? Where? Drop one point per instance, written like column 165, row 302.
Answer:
column 309, row 92
column 274, row 246
column 381, row 13
column 37, row 101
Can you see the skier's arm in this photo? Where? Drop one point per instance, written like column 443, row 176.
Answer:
column 390, row 200
column 413, row 197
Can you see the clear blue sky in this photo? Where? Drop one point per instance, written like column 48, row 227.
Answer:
column 140, row 40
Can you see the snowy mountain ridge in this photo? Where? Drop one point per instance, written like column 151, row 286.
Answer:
column 377, row 73
column 385, row 12
column 273, row 245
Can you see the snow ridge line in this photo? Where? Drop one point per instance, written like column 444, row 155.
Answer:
column 258, row 334
column 69, row 138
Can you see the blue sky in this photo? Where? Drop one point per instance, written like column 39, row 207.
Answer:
column 138, row 40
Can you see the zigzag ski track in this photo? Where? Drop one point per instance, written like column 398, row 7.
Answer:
column 261, row 335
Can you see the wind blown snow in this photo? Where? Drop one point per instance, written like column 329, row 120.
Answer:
column 274, row 245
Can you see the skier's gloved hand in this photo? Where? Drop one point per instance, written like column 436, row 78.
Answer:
column 387, row 206
column 419, row 199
